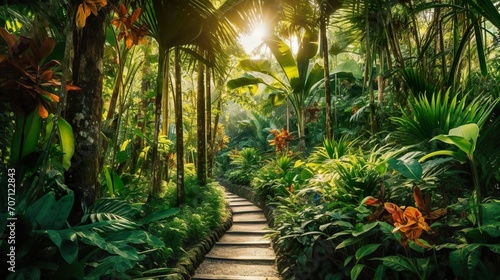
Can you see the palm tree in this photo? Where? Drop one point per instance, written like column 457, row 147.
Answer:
column 327, row 7
column 194, row 27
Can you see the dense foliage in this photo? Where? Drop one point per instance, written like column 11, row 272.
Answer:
column 371, row 128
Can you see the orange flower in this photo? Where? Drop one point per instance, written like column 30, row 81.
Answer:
column 281, row 139
column 413, row 225
column 132, row 33
column 371, row 201
column 87, row 7
column 410, row 221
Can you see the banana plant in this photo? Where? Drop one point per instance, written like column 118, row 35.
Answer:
column 296, row 81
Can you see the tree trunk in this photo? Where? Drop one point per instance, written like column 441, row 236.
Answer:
column 164, row 168
column 201, row 159
column 328, row 94
column 118, row 81
column 155, row 182
column 208, row 119
column 141, row 115
column 301, row 124
column 214, row 135
column 368, row 70
column 84, row 111
column 381, row 77
column 179, row 132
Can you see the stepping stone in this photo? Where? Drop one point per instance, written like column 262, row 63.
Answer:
column 245, row 232
column 240, row 203
column 242, row 258
column 230, row 237
column 235, row 199
column 246, row 209
column 224, row 267
column 254, row 221
column 245, row 243
column 241, row 217
column 231, row 277
column 248, row 227
column 239, row 252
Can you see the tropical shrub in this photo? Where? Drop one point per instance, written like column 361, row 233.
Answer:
column 204, row 211
column 278, row 177
column 384, row 215
column 108, row 242
column 244, row 165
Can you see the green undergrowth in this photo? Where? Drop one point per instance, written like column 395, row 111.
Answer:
column 115, row 238
column 204, row 211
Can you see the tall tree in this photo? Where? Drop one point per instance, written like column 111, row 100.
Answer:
column 179, row 132
column 327, row 7
column 192, row 25
column 84, row 110
column 201, row 159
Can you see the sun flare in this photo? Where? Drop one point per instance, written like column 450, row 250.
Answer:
column 251, row 42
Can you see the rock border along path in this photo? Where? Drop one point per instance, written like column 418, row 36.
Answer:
column 243, row 252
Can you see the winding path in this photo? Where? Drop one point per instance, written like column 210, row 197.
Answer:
column 243, row 253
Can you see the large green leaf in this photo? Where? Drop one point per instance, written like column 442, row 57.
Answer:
column 464, row 137
column 257, row 65
column 109, row 180
column 67, row 242
column 107, row 209
column 461, row 260
column 458, row 155
column 122, row 250
column 245, row 81
column 277, row 98
column 397, row 263
column 314, row 78
column 350, row 66
column 66, row 138
column 348, row 242
column 364, row 228
column 160, row 214
column 410, row 168
column 26, row 135
column 366, row 250
column 356, row 271
column 57, row 215
column 284, row 56
column 38, row 210
column 380, row 273
column 135, row 237
column 307, row 50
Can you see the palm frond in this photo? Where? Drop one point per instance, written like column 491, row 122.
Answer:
column 438, row 114
column 110, row 209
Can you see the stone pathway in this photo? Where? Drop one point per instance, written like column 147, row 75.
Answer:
column 243, row 253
